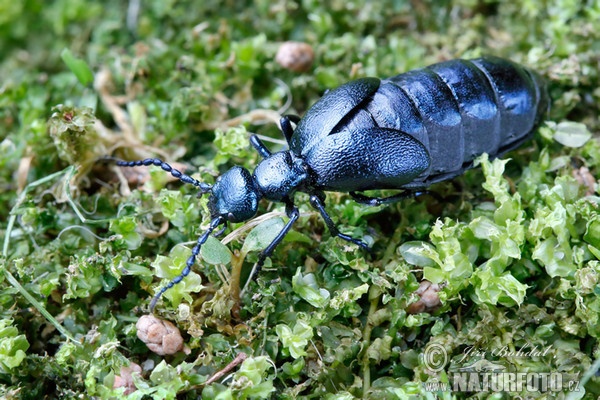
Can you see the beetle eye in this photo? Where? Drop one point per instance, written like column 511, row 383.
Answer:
column 231, row 217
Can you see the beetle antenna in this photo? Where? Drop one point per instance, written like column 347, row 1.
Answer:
column 190, row 261
column 204, row 187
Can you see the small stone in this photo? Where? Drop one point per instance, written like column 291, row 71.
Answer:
column 295, row 56
column 125, row 379
column 162, row 337
column 429, row 298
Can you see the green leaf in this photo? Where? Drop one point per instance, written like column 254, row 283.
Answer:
column 12, row 346
column 214, row 252
column 167, row 379
column 307, row 288
column 233, row 142
column 421, row 254
column 504, row 289
column 295, row 368
column 592, row 232
column 78, row 66
column 182, row 211
column 249, row 380
column 127, row 228
column 73, row 130
column 85, row 276
column 380, row 349
column 556, row 258
column 262, row 235
column 296, row 340
column 572, row 134
column 348, row 297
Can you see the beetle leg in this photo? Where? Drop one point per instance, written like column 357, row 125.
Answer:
column 259, row 146
column 377, row 201
column 222, row 230
column 293, row 214
column 286, row 126
column 317, row 202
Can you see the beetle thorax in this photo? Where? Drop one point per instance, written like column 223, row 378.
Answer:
column 279, row 175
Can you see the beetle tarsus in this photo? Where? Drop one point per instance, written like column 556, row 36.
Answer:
column 221, row 231
column 316, row 200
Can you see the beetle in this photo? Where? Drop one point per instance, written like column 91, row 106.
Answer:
column 405, row 132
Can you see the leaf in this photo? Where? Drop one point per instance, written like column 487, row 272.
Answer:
column 79, row 67
column 572, row 134
column 307, row 288
column 214, row 252
column 380, row 349
column 504, row 289
column 261, row 236
column 592, row 232
column 127, row 228
column 295, row 340
column 555, row 257
column 250, row 377
column 421, row 254
column 12, row 346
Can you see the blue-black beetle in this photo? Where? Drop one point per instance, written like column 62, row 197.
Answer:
column 405, row 132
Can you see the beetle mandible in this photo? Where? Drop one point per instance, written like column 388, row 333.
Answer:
column 405, row 132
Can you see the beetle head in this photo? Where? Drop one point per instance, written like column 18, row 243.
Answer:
column 233, row 196
column 278, row 175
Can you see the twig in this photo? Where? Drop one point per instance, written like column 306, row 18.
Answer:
column 218, row 375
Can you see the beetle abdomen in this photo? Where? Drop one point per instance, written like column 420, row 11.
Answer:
column 460, row 109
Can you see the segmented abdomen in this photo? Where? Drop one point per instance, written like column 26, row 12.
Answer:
column 460, row 109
